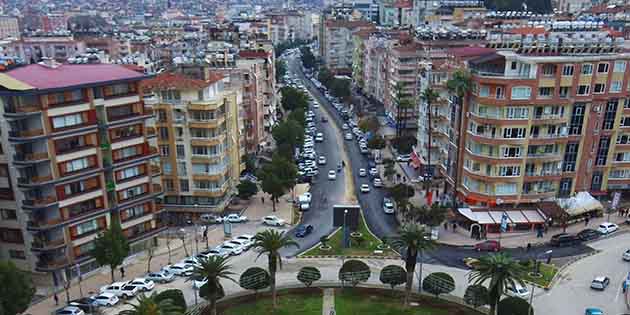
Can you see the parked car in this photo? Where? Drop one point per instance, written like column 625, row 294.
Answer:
column 303, row 230
column 190, row 260
column 210, row 218
column 373, row 171
column 162, row 276
column 87, row 304
column 403, row 158
column 607, row 228
column 70, row 310
column 517, row 291
column 212, row 252
column 626, row 255
column 488, row 246
column 305, row 197
column 600, row 283
column 128, row 291
column 231, row 248
column 120, row 289
column 362, row 172
column 244, row 245
column 348, row 136
column 593, row 311
column 365, row 188
column 332, row 175
column 247, row 239
column 180, row 269
column 143, row 284
column 588, row 234
column 235, row 218
column 321, row 160
column 197, row 284
column 388, row 206
column 273, row 221
column 319, row 137
column 377, row 183
column 106, row 299
column 564, row 239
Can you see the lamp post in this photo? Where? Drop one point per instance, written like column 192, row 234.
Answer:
column 531, row 294
column 345, row 229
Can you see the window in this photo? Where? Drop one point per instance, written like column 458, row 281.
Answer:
column 505, row 189
column 564, row 91
column 545, row 92
column 80, row 186
column 133, row 192
column 615, row 86
column 584, row 90
column 169, row 185
column 599, row 88
column 511, row 170
column 200, row 95
column 602, row 151
column 77, row 165
column 17, row 254
column 549, row 69
column 183, row 185
column 163, row 133
column 602, row 68
column 514, row 133
column 610, row 115
column 620, row 66
column 181, row 169
column 570, row 156
column 180, row 151
column 11, row 236
column 513, row 65
column 626, row 103
column 129, row 172
column 164, row 150
column 521, row 92
column 67, row 121
column 161, row 115
column 127, row 153
column 171, row 95
column 567, row 70
column 8, row 214
column 516, row 112
column 587, row 69
column 484, row 91
column 87, row 227
column 166, row 168
column 625, row 122
column 511, row 151
column 499, row 93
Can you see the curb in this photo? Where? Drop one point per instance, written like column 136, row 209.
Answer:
column 356, row 257
column 556, row 277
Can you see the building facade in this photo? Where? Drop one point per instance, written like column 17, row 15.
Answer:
column 9, row 27
column 336, row 43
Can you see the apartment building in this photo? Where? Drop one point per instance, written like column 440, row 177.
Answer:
column 9, row 27
column 336, row 43
column 35, row 49
column 76, row 156
column 546, row 118
column 197, row 123
column 290, row 25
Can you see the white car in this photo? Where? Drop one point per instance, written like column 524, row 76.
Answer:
column 247, row 239
column 190, row 261
column 517, row 291
column 373, row 171
column 244, row 245
column 626, row 255
column 319, row 137
column 607, row 228
column 235, row 218
column 163, row 276
column 348, row 136
column 315, row 105
column 128, row 291
column 388, row 206
column 321, row 160
column 70, row 310
column 305, row 197
column 212, row 252
column 362, row 172
column 345, row 127
column 378, row 182
column 197, row 284
column 403, row 158
column 365, row 188
column 143, row 284
column 332, row 175
column 231, row 248
column 106, row 299
column 180, row 269
column 273, row 220
column 120, row 289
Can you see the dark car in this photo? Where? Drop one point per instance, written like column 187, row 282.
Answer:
column 87, row 304
column 588, row 234
column 303, row 230
column 564, row 239
column 488, row 246
column 324, row 119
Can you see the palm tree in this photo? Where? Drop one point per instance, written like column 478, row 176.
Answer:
column 270, row 242
column 402, row 103
column 502, row 271
column 149, row 305
column 413, row 240
column 459, row 84
column 213, row 268
column 429, row 96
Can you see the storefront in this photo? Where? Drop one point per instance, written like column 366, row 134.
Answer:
column 489, row 220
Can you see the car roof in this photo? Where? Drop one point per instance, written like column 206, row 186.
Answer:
column 70, row 308
column 600, row 278
column 246, row 235
column 107, row 294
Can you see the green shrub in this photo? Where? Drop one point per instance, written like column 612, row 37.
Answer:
column 175, row 295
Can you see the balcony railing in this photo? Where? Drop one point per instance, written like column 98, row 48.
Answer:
column 157, row 188
column 44, row 223
column 31, row 157
column 23, row 109
column 26, row 133
column 52, row 264
column 40, row 202
column 34, row 179
column 44, row 244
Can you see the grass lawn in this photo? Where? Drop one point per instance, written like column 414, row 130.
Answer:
column 547, row 271
column 350, row 302
column 288, row 304
column 366, row 247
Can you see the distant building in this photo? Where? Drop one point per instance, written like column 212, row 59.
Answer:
column 9, row 27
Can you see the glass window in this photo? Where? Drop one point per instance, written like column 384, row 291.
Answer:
column 67, row 121
column 620, row 66
column 599, row 88
column 602, row 68
column 87, row 227
column 587, row 69
column 584, row 90
column 567, row 70
column 180, row 151
column 521, row 92
column 484, row 91
column 78, row 164
column 183, row 185
column 615, row 86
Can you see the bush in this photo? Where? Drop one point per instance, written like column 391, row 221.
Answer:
column 393, row 275
column 438, row 283
column 355, row 272
column 476, row 295
column 246, row 189
column 175, row 295
column 405, row 144
column 254, row 278
column 513, row 306
column 308, row 275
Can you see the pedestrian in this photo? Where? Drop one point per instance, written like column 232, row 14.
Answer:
column 262, row 199
column 205, row 233
column 454, row 227
column 56, row 299
column 529, row 247
column 586, row 221
column 122, row 272
column 446, row 226
column 539, row 232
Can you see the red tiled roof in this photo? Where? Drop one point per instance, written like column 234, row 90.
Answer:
column 469, row 51
column 68, row 75
column 179, row 81
column 134, row 68
column 253, row 54
column 403, row 4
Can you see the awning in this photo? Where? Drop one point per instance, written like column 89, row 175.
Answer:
column 517, row 217
column 483, row 217
column 497, row 216
column 534, row 216
column 579, row 204
column 494, row 217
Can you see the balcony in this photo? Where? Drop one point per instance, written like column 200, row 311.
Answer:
column 20, row 112
column 34, row 180
column 45, row 264
column 26, row 135
column 39, row 203
column 151, row 133
column 43, row 245
column 157, row 188
column 156, row 170
column 30, row 158
column 44, row 224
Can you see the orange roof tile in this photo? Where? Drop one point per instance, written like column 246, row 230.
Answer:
column 166, row 81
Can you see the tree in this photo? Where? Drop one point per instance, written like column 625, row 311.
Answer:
column 307, row 275
column 376, row 143
column 411, row 240
column 150, row 305
column 438, row 283
column 355, row 272
column 150, row 253
column 324, row 240
column 246, row 189
column 174, row 295
column 308, row 60
column 324, row 76
column 340, row 88
column 281, row 70
column 16, row 290
column 403, row 103
column 293, row 98
column 429, row 96
column 298, row 116
column 277, row 177
column 111, row 247
column 250, row 162
column 459, row 84
column 393, row 275
column 254, row 278
column 270, row 242
column 370, row 124
column 213, row 269
column 432, row 216
column 401, row 193
column 501, row 271
column 514, row 306
column 476, row 295
column 288, row 135
column 389, row 170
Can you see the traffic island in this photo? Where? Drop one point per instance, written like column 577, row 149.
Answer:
column 543, row 277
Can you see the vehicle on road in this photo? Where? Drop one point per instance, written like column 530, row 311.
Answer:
column 321, row 160
column 319, row 137
column 626, row 255
column 362, row 172
column 593, row 311
column 364, row 149
column 87, row 304
column 348, row 136
column 332, row 175
column 162, row 276
column 315, row 105
column 210, row 218
column 120, row 289
column 303, row 230
column 345, row 127
column 273, row 221
column 607, row 228
column 403, row 158
column 305, row 197
column 142, row 284
column 324, row 119
column 600, row 283
column 231, row 248
column 378, row 183
column 179, row 269
column 365, row 188
column 247, row 239
column 388, row 206
column 305, row 206
column 70, row 310
column 564, row 239
column 373, row 171
column 517, row 291
column 588, row 234
column 235, row 218
column 106, row 299
column 488, row 246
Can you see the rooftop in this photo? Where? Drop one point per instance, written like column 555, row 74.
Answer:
column 43, row 77
column 166, row 81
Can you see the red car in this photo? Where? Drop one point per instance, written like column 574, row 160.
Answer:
column 488, row 246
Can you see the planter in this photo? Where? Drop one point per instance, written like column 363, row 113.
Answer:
column 382, row 246
column 356, row 234
column 535, row 275
column 325, row 247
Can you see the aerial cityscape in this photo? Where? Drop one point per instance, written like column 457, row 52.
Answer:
column 333, row 157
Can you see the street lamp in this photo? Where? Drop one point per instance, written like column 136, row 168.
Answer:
column 531, row 294
column 345, row 229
